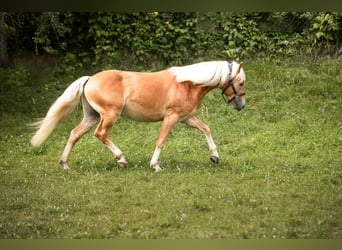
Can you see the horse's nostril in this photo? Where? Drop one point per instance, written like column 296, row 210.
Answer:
column 238, row 108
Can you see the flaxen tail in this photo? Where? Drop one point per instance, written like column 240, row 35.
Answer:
column 62, row 107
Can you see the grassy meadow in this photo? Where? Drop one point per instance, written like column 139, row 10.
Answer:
column 279, row 176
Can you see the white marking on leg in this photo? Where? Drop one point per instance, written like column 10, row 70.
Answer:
column 117, row 152
column 65, row 165
column 212, row 146
column 154, row 161
column 65, row 155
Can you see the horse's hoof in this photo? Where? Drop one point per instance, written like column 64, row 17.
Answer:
column 214, row 159
column 64, row 165
column 156, row 168
column 122, row 164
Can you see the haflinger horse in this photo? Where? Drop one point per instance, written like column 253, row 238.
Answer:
column 170, row 96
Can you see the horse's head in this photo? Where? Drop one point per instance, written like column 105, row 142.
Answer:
column 234, row 90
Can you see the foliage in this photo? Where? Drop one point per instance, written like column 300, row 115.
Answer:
column 49, row 33
column 163, row 36
column 326, row 28
column 172, row 37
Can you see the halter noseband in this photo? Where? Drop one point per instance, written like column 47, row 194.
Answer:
column 230, row 84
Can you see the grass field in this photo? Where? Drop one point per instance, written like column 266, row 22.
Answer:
column 279, row 176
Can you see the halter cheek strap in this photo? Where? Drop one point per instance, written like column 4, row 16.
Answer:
column 230, row 84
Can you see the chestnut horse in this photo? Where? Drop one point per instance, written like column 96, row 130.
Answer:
column 169, row 96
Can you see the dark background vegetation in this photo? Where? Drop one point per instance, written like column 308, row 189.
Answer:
column 90, row 38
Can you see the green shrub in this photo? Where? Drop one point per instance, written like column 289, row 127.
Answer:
column 170, row 38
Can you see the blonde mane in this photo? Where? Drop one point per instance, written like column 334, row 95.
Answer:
column 211, row 73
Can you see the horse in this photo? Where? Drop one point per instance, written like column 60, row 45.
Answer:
column 171, row 95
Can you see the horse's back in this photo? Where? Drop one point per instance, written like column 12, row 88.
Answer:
column 139, row 95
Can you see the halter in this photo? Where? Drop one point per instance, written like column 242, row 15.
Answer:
column 230, row 84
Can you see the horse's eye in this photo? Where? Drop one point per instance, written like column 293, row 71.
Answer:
column 241, row 84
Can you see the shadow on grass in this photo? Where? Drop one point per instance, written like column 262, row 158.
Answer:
column 167, row 165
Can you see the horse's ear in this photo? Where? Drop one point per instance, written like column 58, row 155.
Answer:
column 238, row 70
column 239, row 67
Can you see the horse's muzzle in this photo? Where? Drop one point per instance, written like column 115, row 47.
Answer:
column 239, row 104
column 239, row 108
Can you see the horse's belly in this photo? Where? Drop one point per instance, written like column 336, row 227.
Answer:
column 143, row 114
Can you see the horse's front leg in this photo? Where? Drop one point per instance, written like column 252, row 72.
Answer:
column 168, row 124
column 196, row 123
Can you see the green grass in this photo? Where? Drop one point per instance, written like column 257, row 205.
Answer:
column 279, row 176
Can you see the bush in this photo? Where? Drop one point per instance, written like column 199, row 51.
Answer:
column 171, row 38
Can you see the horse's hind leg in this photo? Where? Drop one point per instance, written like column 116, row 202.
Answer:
column 102, row 132
column 91, row 117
